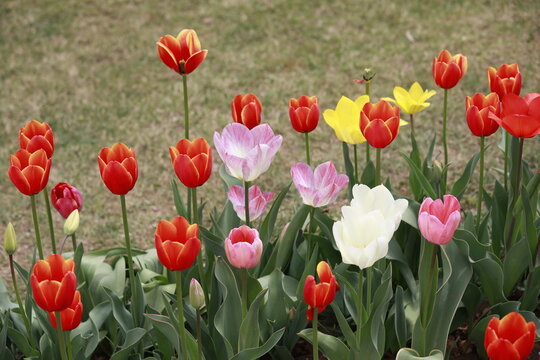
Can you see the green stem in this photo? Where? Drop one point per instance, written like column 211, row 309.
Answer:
column 308, row 155
column 49, row 216
column 189, row 214
column 359, row 307
column 61, row 340
column 481, row 185
column 428, row 288
column 378, row 168
column 246, row 201
column 69, row 347
column 445, row 145
column 180, row 302
column 195, row 207
column 516, row 191
column 186, row 107
column 200, row 261
column 19, row 301
column 411, row 121
column 368, row 156
column 309, row 240
column 506, row 150
column 198, row 332
column 368, row 294
column 244, row 278
column 36, row 226
column 356, row 179
column 368, row 87
column 74, row 243
column 129, row 258
column 315, row 331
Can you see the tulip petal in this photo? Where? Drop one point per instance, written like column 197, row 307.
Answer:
column 117, row 179
column 502, row 349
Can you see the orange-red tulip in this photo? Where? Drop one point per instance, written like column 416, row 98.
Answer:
column 183, row 53
column 478, row 109
column 35, row 135
column 246, row 109
column 504, row 80
column 379, row 123
column 192, row 161
column 520, row 116
column 118, row 168
column 177, row 243
column 71, row 316
column 509, row 338
column 29, row 172
column 447, row 70
column 320, row 295
column 53, row 283
column 304, row 113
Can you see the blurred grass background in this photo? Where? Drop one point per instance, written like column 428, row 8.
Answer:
column 90, row 69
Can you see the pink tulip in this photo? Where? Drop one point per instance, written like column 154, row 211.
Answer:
column 66, row 198
column 439, row 219
column 257, row 201
column 320, row 187
column 247, row 153
column 243, row 247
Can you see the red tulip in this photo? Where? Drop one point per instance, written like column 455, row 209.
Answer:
column 177, row 243
column 53, row 283
column 304, row 113
column 71, row 316
column 447, row 70
column 510, row 338
column 505, row 80
column 66, row 198
column 35, row 135
column 246, row 109
column 520, row 115
column 320, row 295
column 183, row 53
column 29, row 172
column 192, row 161
column 118, row 168
column 478, row 109
column 379, row 123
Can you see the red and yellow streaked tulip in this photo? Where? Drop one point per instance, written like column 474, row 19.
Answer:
column 320, row 295
column 413, row 100
column 304, row 113
column 183, row 53
column 36, row 135
column 29, row 172
column 478, row 109
column 177, row 243
column 520, row 116
column 118, row 168
column 192, row 161
column 246, row 109
column 504, row 80
column 447, row 70
column 53, row 283
column 71, row 316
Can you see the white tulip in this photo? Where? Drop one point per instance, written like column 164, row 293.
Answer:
column 367, row 225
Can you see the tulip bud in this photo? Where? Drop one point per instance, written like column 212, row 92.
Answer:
column 196, row 294
column 436, row 171
column 368, row 74
column 292, row 313
column 72, row 223
column 10, row 240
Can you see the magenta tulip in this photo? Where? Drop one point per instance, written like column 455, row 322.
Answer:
column 243, row 247
column 66, row 198
column 257, row 201
column 247, row 153
column 439, row 219
column 320, row 187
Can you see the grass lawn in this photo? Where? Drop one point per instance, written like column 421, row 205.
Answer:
column 90, row 69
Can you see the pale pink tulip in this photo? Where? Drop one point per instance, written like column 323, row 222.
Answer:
column 320, row 187
column 243, row 247
column 439, row 219
column 257, row 201
column 247, row 153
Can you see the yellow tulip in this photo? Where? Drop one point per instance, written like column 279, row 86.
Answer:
column 345, row 119
column 411, row 101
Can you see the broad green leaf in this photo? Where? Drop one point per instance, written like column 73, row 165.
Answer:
column 529, row 301
column 267, row 227
column 424, row 182
column 21, row 340
column 285, row 244
column 133, row 336
column 122, row 316
column 249, row 330
column 163, row 325
column 331, row 347
column 461, row 184
column 275, row 309
column 256, row 353
column 177, row 198
column 212, row 242
column 368, row 175
column 228, row 180
column 349, row 168
column 516, row 261
column 400, row 322
column 344, row 326
column 410, row 354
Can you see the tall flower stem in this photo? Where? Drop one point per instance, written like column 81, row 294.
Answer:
column 186, row 107
column 180, row 302
column 36, row 227
column 356, row 179
column 60, row 332
column 129, row 257
column 368, row 290
column 195, row 218
column 49, row 217
column 198, row 332
column 359, row 306
column 200, row 262
column 428, row 277
column 368, row 156
column 244, row 278
column 246, row 201
column 368, row 93
column 309, row 239
column 74, row 242
column 308, row 155
column 315, row 341
column 506, row 150
column 68, row 343
column 517, row 185
column 445, row 145
column 19, row 301
column 481, row 185
column 411, row 121
column 378, row 168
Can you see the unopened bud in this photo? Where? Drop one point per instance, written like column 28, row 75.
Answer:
column 436, row 171
column 368, row 74
column 72, row 223
column 196, row 294
column 10, row 240
column 292, row 313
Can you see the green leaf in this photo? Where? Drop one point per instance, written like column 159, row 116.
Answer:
column 461, row 184
column 344, row 326
column 275, row 309
column 516, row 261
column 133, row 336
column 212, row 242
column 267, row 227
column 410, row 354
column 285, row 244
column 331, row 347
column 5, row 302
column 228, row 179
column 400, row 322
column 529, row 301
column 122, row 316
column 368, row 175
column 163, row 325
column 5, row 353
column 349, row 168
column 178, row 203
column 249, row 330
column 424, row 182
column 21, row 340
column 256, row 353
